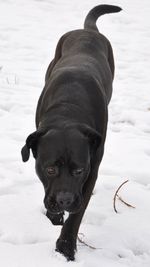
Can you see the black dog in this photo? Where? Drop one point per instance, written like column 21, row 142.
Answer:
column 71, row 121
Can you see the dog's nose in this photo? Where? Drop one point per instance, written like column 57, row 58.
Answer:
column 64, row 199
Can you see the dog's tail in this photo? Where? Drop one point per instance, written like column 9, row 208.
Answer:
column 92, row 16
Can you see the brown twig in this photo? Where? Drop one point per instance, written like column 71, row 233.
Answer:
column 89, row 246
column 116, row 195
column 127, row 204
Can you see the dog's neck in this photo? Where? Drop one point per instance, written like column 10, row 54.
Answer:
column 63, row 115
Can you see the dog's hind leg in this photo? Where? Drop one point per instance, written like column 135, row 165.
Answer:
column 58, row 54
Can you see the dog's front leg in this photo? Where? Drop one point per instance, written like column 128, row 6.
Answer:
column 66, row 243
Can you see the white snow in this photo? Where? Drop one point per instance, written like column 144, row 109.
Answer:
column 29, row 31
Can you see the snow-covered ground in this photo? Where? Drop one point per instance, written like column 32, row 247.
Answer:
column 29, row 31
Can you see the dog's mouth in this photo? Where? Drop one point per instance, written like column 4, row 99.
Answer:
column 54, row 208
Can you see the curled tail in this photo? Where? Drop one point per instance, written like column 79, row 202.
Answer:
column 92, row 16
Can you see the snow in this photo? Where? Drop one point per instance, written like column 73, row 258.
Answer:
column 29, row 31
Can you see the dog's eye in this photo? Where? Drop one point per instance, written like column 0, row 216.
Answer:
column 51, row 170
column 78, row 171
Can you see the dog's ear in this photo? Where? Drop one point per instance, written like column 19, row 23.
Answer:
column 31, row 143
column 94, row 137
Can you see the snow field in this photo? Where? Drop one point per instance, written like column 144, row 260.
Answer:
column 29, row 31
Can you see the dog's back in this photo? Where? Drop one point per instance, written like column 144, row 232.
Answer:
column 82, row 53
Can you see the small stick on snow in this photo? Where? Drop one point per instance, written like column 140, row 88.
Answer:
column 89, row 246
column 81, row 241
column 116, row 195
column 127, row 204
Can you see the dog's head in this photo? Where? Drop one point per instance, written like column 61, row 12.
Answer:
column 63, row 163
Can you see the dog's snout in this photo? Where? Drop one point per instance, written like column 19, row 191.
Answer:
column 64, row 199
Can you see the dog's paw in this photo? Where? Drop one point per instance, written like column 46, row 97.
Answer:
column 67, row 248
column 56, row 219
